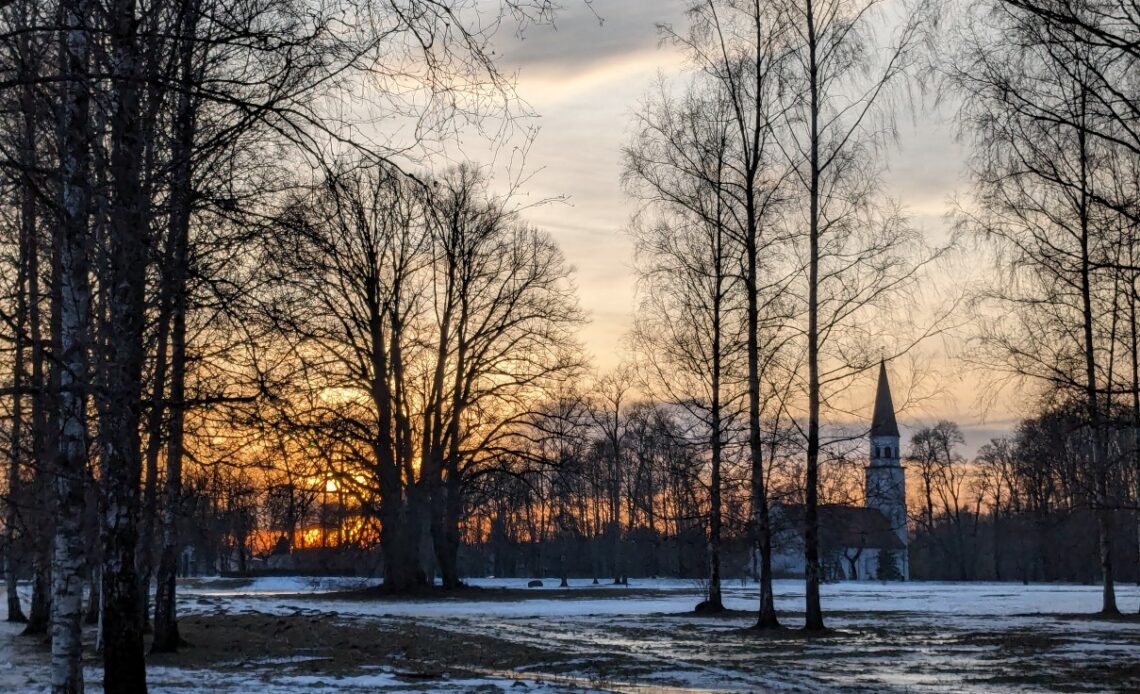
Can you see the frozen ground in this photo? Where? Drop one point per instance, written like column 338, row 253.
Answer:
column 322, row 635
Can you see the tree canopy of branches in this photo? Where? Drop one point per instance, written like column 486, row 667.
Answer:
column 146, row 140
column 1054, row 194
column 423, row 320
column 764, row 229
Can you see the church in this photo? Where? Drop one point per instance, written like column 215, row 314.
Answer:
column 866, row 542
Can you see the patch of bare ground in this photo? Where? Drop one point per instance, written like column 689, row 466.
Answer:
column 1073, row 677
column 1010, row 642
column 1044, row 661
column 308, row 644
column 1123, row 618
column 724, row 614
column 794, row 633
column 215, row 583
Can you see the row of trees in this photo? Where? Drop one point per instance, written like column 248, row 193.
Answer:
column 1050, row 102
column 562, row 504
column 773, row 267
column 151, row 150
column 215, row 261
column 769, row 257
column 1024, row 508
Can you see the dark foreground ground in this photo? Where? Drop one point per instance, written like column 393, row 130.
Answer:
column 245, row 639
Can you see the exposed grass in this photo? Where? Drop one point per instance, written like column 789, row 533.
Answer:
column 322, row 644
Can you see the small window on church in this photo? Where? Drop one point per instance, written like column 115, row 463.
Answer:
column 878, row 452
column 888, row 449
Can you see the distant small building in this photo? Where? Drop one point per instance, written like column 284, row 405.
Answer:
column 856, row 543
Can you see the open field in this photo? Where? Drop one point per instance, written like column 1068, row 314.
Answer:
column 277, row 635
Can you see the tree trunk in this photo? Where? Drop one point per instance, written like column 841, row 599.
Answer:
column 997, row 548
column 39, row 611
column 166, row 636
column 24, row 300
column 43, row 442
column 452, row 513
column 91, row 617
column 1099, row 454
column 1135, row 354
column 154, row 428
column 615, row 506
column 122, row 364
column 450, row 487
column 399, row 540
column 70, row 465
column 814, row 613
column 767, row 618
column 12, row 509
column 714, row 602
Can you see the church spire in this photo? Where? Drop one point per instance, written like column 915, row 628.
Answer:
column 883, row 422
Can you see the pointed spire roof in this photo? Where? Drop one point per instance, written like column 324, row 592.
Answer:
column 883, row 422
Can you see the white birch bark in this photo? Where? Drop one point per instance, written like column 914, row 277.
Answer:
column 70, row 470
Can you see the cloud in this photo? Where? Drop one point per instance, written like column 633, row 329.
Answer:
column 597, row 81
column 591, row 33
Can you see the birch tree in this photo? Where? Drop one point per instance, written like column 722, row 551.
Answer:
column 854, row 246
column 72, row 238
column 736, row 48
column 1042, row 182
column 689, row 319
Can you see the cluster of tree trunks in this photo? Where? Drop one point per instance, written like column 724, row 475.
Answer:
column 762, row 225
column 144, row 142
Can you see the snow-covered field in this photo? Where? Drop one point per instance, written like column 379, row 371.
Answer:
column 885, row 637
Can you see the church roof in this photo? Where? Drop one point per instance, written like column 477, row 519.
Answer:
column 883, row 421
column 841, row 526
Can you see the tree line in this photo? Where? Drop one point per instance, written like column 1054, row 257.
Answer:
column 1048, row 101
column 1024, row 508
column 774, row 267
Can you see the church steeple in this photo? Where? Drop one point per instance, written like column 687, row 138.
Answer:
column 883, row 421
column 884, row 478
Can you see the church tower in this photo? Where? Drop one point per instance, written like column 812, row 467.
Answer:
column 884, row 482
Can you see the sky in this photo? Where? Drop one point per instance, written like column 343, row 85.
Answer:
column 584, row 77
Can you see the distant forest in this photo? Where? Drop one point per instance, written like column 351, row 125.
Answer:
column 1019, row 511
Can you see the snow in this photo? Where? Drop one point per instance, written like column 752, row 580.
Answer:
column 273, row 585
column 965, row 602
column 972, row 637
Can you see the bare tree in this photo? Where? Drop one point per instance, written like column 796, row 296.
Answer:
column 504, row 335
column 944, row 476
column 737, row 49
column 611, row 394
column 348, row 302
column 997, row 481
column 442, row 279
column 1041, row 179
column 854, row 247
column 688, row 326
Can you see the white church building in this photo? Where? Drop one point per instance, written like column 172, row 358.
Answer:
column 866, row 542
